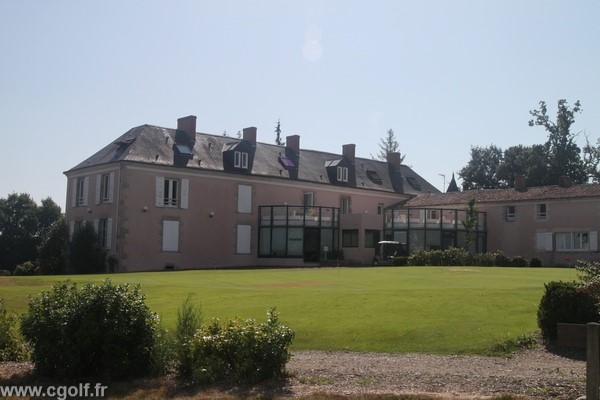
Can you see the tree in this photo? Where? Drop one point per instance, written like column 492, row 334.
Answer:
column 389, row 144
column 85, row 255
column 470, row 222
column 53, row 250
column 278, row 140
column 564, row 155
column 481, row 172
column 529, row 161
column 23, row 226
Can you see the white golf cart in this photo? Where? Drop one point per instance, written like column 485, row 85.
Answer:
column 388, row 249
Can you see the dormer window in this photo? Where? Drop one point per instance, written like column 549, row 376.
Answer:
column 342, row 174
column 240, row 159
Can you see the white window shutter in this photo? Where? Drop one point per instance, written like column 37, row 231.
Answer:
column 108, row 232
column 71, row 229
column 593, row 241
column 74, row 192
column 111, row 187
column 543, row 241
column 243, row 239
column 96, row 225
column 160, row 189
column 244, row 199
column 86, row 188
column 170, row 240
column 185, row 193
column 98, row 184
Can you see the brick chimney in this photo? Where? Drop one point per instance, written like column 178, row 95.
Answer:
column 249, row 135
column 292, row 142
column 188, row 125
column 393, row 160
column 349, row 152
column 520, row 183
column 564, row 181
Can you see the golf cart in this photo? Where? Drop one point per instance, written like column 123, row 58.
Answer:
column 388, row 249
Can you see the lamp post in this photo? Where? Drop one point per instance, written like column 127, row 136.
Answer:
column 444, row 177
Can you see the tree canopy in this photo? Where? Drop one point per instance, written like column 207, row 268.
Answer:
column 389, row 144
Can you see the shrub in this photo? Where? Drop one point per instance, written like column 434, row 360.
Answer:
column 189, row 320
column 454, row 256
column 85, row 255
column 418, row 258
column 102, row 330
column 500, row 260
column 400, row 261
column 241, row 350
column 27, row 268
column 12, row 347
column 564, row 302
column 518, row 261
column 53, row 250
column 484, row 259
column 535, row 262
column 435, row 257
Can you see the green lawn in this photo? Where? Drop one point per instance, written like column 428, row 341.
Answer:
column 405, row 309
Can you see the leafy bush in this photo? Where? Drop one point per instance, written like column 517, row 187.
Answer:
column 241, row 351
column 27, row 268
column 12, row 347
column 400, row 261
column 102, row 330
column 189, row 320
column 484, row 259
column 53, row 250
column 85, row 255
column 500, row 260
column 418, row 258
column 456, row 256
column 518, row 261
column 435, row 257
column 565, row 302
column 535, row 262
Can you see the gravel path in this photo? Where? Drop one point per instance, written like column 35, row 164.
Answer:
column 534, row 374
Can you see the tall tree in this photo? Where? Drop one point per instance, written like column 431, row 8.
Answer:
column 278, row 140
column 389, row 144
column 481, row 172
column 564, row 155
column 529, row 161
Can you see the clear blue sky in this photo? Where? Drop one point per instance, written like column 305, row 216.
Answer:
column 444, row 75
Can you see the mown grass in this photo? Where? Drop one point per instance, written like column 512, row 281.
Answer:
column 444, row 310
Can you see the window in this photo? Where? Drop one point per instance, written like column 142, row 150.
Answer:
column 170, row 192
column 371, row 238
column 543, row 241
column 170, row 240
column 577, row 241
column 345, row 205
column 342, row 174
column 80, row 195
column 240, row 159
column 380, row 209
column 308, row 199
column 104, row 232
column 350, row 238
column 244, row 199
column 243, row 239
column 374, row 177
column 104, row 188
column 540, row 211
column 432, row 214
column 509, row 213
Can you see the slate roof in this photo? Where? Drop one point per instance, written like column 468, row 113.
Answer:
column 156, row 145
column 553, row 192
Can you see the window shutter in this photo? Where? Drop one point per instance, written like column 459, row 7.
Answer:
column 160, row 189
column 185, row 192
column 244, row 199
column 111, row 187
column 170, row 240
column 98, row 184
column 543, row 241
column 86, row 188
column 73, row 193
column 71, row 229
column 594, row 241
column 96, row 225
column 108, row 232
column 243, row 239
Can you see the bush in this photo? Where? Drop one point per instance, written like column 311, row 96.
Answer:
column 53, row 250
column 85, row 255
column 12, row 347
column 455, row 256
column 518, row 261
column 564, row 302
column 484, row 259
column 535, row 262
column 189, row 320
column 27, row 268
column 400, row 261
column 102, row 330
column 241, row 351
column 500, row 260
column 418, row 258
column 435, row 257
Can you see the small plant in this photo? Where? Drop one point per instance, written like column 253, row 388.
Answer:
column 511, row 345
column 400, row 261
column 102, row 330
column 519, row 261
column 189, row 320
column 12, row 347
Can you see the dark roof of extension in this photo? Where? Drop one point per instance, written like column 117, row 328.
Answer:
column 155, row 145
column 553, row 192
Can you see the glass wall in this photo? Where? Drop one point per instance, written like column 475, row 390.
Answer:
column 284, row 231
column 434, row 229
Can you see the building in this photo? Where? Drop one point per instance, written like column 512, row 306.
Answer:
column 557, row 224
column 163, row 198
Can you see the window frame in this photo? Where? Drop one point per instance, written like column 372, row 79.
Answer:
column 240, row 159
column 510, row 213
column 350, row 238
column 307, row 195
column 342, row 174
column 79, row 192
column 539, row 214
column 344, row 205
column 577, row 241
column 105, row 188
column 171, row 196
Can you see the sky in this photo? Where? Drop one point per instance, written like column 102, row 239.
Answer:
column 444, row 75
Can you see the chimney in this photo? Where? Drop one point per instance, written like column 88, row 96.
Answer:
column 249, row 135
column 188, row 125
column 349, row 152
column 520, row 183
column 565, row 181
column 293, row 143
column 393, row 160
